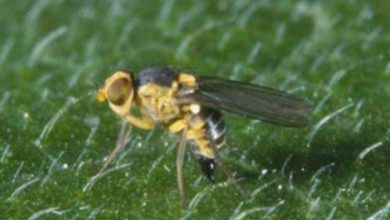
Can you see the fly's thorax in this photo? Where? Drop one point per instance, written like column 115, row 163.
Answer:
column 159, row 101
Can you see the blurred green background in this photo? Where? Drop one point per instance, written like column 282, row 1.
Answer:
column 54, row 135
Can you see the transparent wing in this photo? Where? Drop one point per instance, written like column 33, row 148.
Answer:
column 254, row 101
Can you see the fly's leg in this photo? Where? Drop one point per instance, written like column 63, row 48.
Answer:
column 140, row 122
column 120, row 143
column 175, row 127
column 226, row 170
column 179, row 166
column 143, row 123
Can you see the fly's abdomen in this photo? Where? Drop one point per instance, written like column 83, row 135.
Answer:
column 215, row 127
column 207, row 129
column 213, row 135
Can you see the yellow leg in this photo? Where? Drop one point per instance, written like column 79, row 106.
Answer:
column 177, row 126
column 143, row 123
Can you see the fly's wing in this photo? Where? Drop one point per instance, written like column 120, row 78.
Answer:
column 254, row 101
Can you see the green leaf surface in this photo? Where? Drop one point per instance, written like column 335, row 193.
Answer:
column 54, row 134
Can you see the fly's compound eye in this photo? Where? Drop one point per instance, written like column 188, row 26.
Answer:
column 119, row 91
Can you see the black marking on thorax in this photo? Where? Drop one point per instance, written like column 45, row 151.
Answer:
column 163, row 76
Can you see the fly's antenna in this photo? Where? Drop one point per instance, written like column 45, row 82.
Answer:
column 96, row 84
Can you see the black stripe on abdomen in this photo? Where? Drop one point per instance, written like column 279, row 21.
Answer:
column 215, row 126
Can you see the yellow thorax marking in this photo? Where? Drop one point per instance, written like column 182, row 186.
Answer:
column 187, row 79
column 159, row 101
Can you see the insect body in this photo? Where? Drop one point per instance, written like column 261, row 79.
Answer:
column 191, row 106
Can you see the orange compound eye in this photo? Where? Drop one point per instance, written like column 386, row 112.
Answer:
column 119, row 91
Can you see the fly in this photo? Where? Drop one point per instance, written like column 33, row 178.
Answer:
column 192, row 106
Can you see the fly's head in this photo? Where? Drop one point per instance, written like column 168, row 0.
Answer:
column 118, row 90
